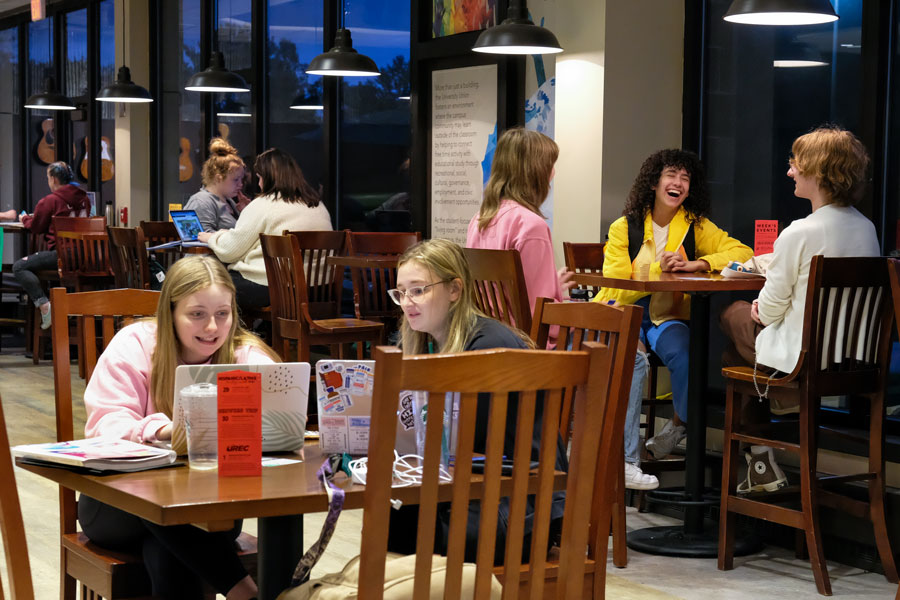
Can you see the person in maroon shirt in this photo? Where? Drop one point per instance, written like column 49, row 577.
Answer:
column 65, row 199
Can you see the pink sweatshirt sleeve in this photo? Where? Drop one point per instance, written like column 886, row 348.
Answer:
column 540, row 269
column 117, row 398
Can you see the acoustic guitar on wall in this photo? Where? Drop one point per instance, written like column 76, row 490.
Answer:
column 185, row 166
column 107, row 168
column 46, row 148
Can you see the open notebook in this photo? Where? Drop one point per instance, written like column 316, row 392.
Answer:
column 285, row 389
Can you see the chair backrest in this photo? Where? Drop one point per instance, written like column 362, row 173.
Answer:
column 83, row 259
column 287, row 290
column 12, row 527
column 580, row 323
column 584, row 258
column 114, row 309
column 81, row 224
column 162, row 232
column 500, row 290
column 323, row 288
column 528, row 373
column 847, row 325
column 382, row 242
column 128, row 257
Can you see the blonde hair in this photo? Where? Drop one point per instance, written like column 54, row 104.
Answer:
column 446, row 262
column 223, row 160
column 836, row 159
column 523, row 163
column 188, row 276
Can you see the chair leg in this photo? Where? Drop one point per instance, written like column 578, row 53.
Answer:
column 877, row 485
column 808, row 496
column 37, row 346
column 730, row 455
column 620, row 550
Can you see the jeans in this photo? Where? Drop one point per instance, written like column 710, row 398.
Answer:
column 25, row 268
column 633, row 415
column 178, row 558
column 671, row 342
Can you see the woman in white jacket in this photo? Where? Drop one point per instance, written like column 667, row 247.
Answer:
column 828, row 166
column 287, row 202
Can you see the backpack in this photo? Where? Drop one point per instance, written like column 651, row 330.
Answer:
column 636, row 239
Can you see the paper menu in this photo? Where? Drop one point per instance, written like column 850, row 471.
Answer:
column 240, row 423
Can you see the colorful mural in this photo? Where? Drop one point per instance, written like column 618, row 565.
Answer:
column 458, row 16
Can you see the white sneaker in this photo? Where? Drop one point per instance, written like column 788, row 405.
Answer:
column 45, row 318
column 662, row 444
column 635, row 479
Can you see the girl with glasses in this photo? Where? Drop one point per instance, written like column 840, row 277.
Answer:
column 436, row 292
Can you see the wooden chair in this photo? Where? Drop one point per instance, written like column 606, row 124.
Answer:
column 845, row 350
column 373, row 273
column 587, row 258
column 502, row 371
column 128, row 257
column 162, row 232
column 581, row 322
column 500, row 290
column 104, row 573
column 305, row 296
column 61, row 225
column 18, row 569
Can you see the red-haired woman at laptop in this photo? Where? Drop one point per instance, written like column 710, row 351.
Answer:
column 130, row 396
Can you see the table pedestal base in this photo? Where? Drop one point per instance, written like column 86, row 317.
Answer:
column 671, row 540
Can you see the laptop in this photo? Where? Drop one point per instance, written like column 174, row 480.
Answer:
column 188, row 226
column 344, row 397
column 285, row 389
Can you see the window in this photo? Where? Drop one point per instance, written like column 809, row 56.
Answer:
column 295, row 98
column 180, row 120
column 756, row 109
column 41, row 123
column 107, row 109
column 75, row 86
column 11, row 124
column 374, row 127
column 233, row 111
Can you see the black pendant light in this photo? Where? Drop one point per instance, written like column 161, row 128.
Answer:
column 342, row 60
column 123, row 89
column 49, row 98
column 307, row 102
column 781, row 12
column 216, row 78
column 517, row 34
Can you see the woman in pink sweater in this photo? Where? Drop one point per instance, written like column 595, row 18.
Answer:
column 130, row 396
column 510, row 215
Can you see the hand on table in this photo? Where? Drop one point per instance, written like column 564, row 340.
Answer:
column 674, row 262
column 204, row 236
column 8, row 215
column 566, row 281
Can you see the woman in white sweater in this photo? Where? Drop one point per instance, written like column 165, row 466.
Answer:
column 286, row 201
column 828, row 166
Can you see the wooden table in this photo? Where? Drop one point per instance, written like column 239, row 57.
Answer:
column 279, row 498
column 689, row 540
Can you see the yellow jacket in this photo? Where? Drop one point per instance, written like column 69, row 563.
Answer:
column 712, row 244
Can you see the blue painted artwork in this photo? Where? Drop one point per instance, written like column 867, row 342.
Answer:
column 489, row 156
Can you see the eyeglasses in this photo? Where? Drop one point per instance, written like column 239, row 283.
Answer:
column 414, row 293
